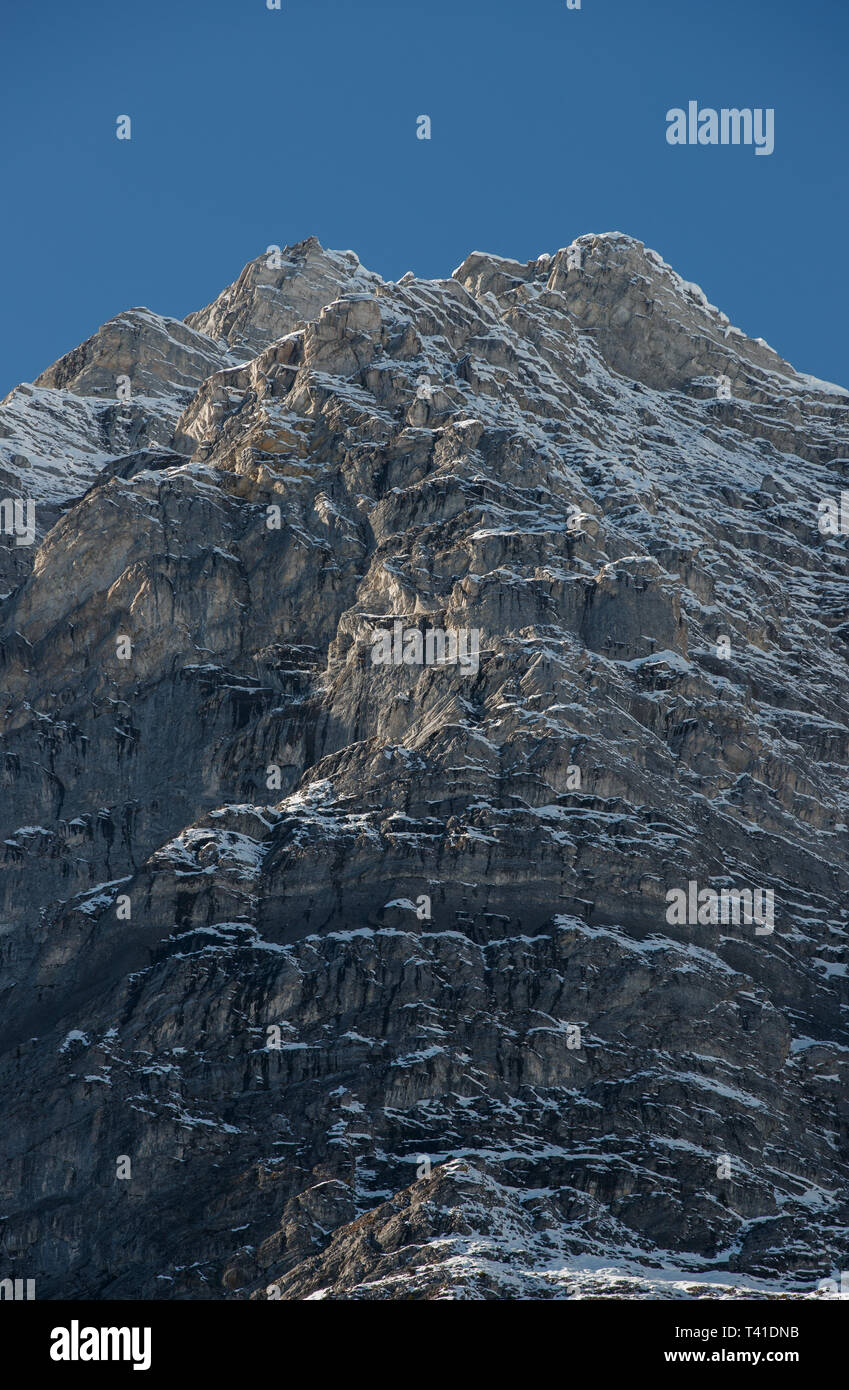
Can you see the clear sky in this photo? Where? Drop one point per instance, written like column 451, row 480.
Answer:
column 253, row 127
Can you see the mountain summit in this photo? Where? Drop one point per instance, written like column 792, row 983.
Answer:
column 425, row 794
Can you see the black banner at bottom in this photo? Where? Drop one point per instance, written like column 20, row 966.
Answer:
column 157, row 1340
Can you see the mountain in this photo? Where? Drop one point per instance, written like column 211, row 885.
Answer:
column 408, row 686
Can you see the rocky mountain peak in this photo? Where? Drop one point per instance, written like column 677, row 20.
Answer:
column 424, row 794
column 277, row 291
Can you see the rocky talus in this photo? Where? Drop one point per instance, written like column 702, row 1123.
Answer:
column 331, row 977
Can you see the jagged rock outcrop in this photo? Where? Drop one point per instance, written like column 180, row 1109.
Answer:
column 284, row 927
column 279, row 291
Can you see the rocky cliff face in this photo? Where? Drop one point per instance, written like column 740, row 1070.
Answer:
column 399, row 670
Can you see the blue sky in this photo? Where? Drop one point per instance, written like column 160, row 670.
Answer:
column 253, row 127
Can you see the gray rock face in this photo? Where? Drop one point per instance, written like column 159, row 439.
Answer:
column 158, row 356
column 343, row 975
